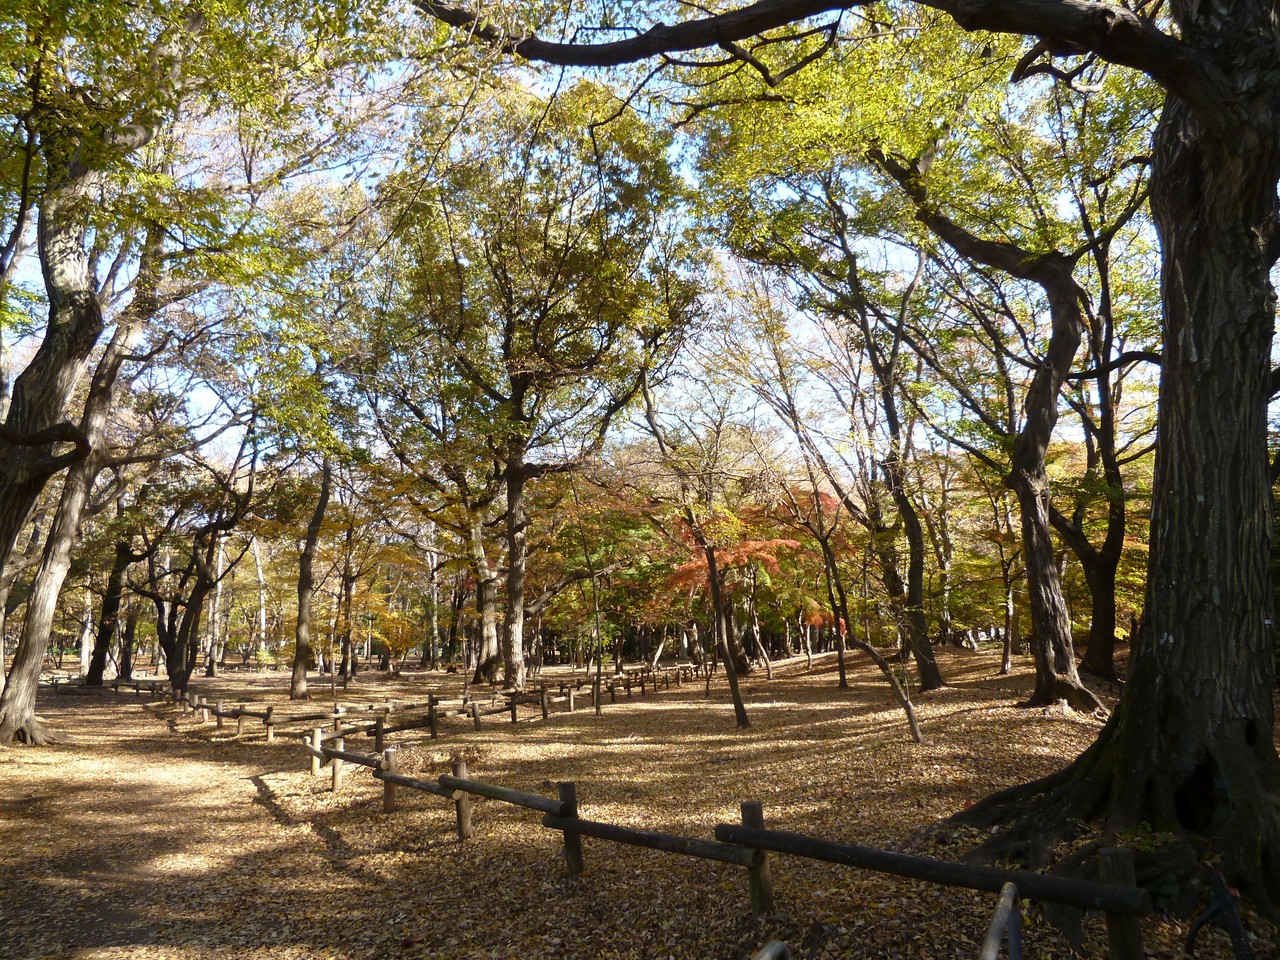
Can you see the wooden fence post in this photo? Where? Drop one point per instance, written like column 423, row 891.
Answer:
column 475, row 713
column 220, row 708
column 515, row 707
column 317, row 742
column 389, row 788
column 240, row 718
column 379, row 734
column 1124, row 933
column 572, row 694
column 431, row 716
column 271, row 727
column 758, row 874
column 546, row 702
column 572, row 839
column 462, row 802
column 336, row 765
column 204, row 710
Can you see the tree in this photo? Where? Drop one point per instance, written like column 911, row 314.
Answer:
column 542, row 272
column 1190, row 747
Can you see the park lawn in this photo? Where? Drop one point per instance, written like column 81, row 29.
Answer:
column 150, row 834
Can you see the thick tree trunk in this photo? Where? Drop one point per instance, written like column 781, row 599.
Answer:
column 1190, row 750
column 109, row 616
column 513, row 667
column 42, row 391
column 487, row 659
column 1195, row 743
column 17, row 702
column 302, row 649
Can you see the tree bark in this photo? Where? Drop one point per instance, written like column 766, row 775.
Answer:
column 1190, row 749
column 109, row 616
column 17, row 702
column 722, row 631
column 513, row 667
column 486, row 666
column 302, row 649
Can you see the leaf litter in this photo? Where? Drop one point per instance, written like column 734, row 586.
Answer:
column 149, row 835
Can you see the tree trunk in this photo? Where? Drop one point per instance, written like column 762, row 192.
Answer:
column 126, row 642
column 1189, row 749
column 42, row 391
column 917, row 626
column 214, row 656
column 1050, row 625
column 302, row 650
column 513, row 667
column 1193, row 748
column 1100, row 574
column 109, row 616
column 1010, row 624
column 722, row 636
column 17, row 702
column 486, row 661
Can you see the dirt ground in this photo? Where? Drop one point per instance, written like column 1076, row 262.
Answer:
column 148, row 834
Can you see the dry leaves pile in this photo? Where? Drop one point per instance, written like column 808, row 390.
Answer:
column 151, row 835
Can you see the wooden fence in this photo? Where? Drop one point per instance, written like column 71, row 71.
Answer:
column 379, row 722
column 746, row 844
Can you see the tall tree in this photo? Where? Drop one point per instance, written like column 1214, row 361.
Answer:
column 542, row 271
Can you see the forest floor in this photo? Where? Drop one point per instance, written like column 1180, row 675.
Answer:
column 149, row 835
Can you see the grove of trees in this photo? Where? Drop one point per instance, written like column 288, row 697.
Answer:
column 339, row 337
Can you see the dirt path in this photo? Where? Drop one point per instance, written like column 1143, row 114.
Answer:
column 126, row 841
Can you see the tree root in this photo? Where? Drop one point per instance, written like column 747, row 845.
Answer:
column 1077, row 696
column 34, row 733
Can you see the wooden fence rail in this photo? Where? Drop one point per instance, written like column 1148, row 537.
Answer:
column 1085, row 894
column 745, row 845
column 1005, row 927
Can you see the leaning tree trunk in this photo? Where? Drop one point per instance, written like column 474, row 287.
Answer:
column 302, row 649
column 1050, row 624
column 1056, row 675
column 1189, row 749
column 17, row 702
column 917, row 626
column 722, row 633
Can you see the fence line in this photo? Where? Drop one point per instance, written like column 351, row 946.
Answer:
column 644, row 677
column 749, row 843
column 745, row 845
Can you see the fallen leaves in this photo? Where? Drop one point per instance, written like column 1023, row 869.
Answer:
column 141, row 843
